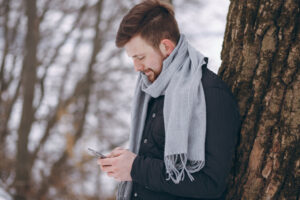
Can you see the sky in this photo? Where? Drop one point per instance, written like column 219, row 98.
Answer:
column 204, row 27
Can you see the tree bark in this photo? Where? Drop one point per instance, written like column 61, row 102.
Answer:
column 260, row 63
column 23, row 170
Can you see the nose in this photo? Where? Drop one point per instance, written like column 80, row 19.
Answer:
column 138, row 66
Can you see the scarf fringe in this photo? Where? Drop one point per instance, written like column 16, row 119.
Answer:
column 177, row 164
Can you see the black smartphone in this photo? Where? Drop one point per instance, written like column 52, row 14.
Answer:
column 96, row 153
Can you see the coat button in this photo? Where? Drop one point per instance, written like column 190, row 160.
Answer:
column 153, row 115
column 135, row 194
column 145, row 141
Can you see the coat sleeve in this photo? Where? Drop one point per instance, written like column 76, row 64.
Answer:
column 223, row 124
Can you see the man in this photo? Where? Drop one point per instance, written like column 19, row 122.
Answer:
column 185, row 120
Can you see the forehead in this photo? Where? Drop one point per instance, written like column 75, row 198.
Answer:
column 137, row 46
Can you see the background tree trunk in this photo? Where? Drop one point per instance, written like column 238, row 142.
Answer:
column 260, row 63
column 28, row 77
column 57, row 83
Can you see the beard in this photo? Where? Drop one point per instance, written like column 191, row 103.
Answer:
column 150, row 74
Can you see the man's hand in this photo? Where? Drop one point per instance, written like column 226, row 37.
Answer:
column 118, row 164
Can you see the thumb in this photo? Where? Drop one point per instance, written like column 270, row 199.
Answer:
column 116, row 152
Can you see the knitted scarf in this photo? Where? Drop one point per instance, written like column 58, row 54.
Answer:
column 184, row 113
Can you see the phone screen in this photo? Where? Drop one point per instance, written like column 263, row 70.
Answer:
column 96, row 153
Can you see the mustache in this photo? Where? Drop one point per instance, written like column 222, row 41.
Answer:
column 147, row 71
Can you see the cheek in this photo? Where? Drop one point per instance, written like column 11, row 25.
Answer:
column 155, row 64
column 158, row 66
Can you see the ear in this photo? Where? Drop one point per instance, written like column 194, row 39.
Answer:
column 166, row 47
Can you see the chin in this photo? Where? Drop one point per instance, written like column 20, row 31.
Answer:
column 152, row 79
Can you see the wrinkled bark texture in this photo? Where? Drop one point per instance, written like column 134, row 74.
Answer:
column 260, row 63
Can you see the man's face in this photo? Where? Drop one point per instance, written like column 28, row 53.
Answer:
column 146, row 59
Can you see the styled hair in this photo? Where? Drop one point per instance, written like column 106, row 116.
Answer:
column 153, row 20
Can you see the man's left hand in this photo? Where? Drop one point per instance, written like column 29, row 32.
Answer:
column 118, row 164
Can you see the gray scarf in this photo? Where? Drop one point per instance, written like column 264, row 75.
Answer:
column 184, row 113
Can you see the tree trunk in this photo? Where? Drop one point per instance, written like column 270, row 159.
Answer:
column 260, row 63
column 23, row 169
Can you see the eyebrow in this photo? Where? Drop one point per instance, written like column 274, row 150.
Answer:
column 135, row 56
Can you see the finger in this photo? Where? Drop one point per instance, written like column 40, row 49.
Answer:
column 108, row 161
column 116, row 152
column 114, row 175
column 108, row 169
column 105, row 161
column 100, row 160
column 117, row 148
column 102, row 166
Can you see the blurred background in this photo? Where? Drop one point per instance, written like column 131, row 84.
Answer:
column 64, row 87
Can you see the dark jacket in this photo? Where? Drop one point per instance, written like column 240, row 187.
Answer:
column 223, row 122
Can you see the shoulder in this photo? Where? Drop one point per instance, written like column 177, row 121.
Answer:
column 215, row 89
column 222, row 107
column 212, row 80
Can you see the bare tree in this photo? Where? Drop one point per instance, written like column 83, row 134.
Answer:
column 260, row 62
column 28, row 79
column 56, row 71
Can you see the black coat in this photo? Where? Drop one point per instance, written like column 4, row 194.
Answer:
column 223, row 122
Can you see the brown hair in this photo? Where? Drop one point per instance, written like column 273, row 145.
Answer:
column 153, row 20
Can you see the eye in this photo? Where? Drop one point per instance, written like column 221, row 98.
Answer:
column 140, row 57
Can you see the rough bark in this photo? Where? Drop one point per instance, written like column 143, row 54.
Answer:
column 260, row 63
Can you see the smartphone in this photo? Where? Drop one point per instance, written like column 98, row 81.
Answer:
column 96, row 153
